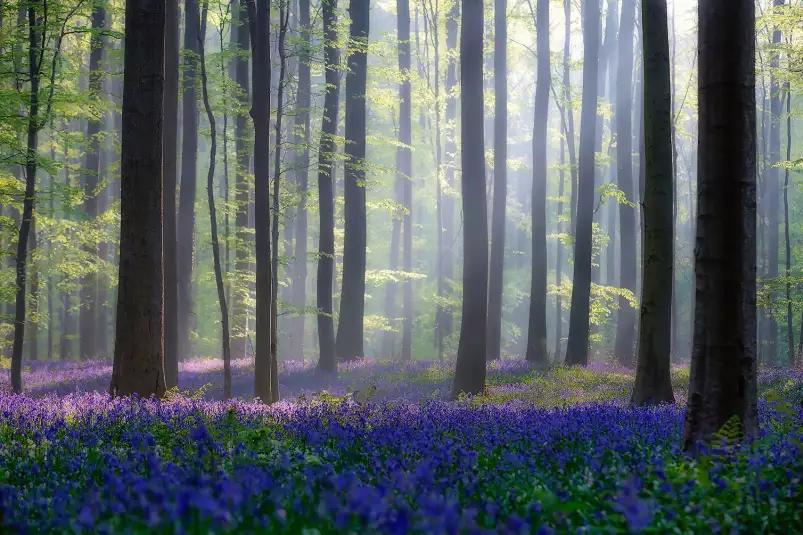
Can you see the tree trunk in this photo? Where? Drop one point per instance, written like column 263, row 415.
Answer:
column 326, row 199
column 34, row 73
column 499, row 211
column 189, row 166
column 536, row 333
column 567, row 95
column 404, row 166
column 352, row 302
column 239, row 342
column 139, row 342
column 259, row 24
column 626, row 326
column 790, row 335
column 170, row 148
column 577, row 346
column 33, row 317
column 470, row 367
column 210, row 190
column 304, row 103
column 722, row 386
column 89, row 284
column 67, row 325
column 653, row 383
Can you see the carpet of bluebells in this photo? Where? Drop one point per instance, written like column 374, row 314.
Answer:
column 378, row 449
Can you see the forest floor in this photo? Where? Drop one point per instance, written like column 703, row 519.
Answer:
column 377, row 449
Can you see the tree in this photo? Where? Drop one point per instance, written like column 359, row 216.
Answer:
column 790, row 333
column 326, row 198
column 722, row 386
column 577, row 346
column 653, row 382
column 404, row 165
column 139, row 340
column 265, row 377
column 624, row 348
column 349, row 342
column 536, row 333
column 170, row 154
column 471, row 352
column 499, row 212
column 189, row 169
column 304, row 95
column 89, row 304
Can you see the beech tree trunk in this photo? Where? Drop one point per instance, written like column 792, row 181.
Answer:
column 499, row 213
column 349, row 342
column 470, row 367
column 653, row 382
column 139, row 340
column 404, row 166
column 722, row 386
column 577, row 346
column 536, row 333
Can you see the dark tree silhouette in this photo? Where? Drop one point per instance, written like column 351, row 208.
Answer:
column 349, row 343
column 577, row 346
column 722, row 386
column 653, row 382
column 404, row 165
column 139, row 340
column 470, row 367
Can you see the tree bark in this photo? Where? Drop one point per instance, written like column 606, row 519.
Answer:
column 349, row 342
column 404, row 166
column 567, row 95
column 326, row 199
column 170, row 148
column 577, row 346
column 722, row 385
column 189, row 170
column 536, row 333
column 653, row 382
column 790, row 334
column 470, row 367
column 139, row 342
column 499, row 212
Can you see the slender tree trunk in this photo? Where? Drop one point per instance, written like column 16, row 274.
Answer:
column 626, row 326
column 536, row 333
column 189, row 170
column 391, row 311
column 471, row 352
column 210, row 190
column 326, row 199
column 259, row 24
column 139, row 343
column 304, row 103
column 170, row 154
column 404, row 166
column 499, row 213
column 34, row 74
column 567, row 95
column 67, row 325
column 790, row 334
column 653, row 383
column 352, row 302
column 722, row 386
column 559, row 255
column 33, row 318
column 577, row 346
column 239, row 345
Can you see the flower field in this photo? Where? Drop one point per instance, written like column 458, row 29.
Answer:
column 554, row 451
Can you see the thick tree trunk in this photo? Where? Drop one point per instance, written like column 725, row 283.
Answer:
column 404, row 166
column 242, row 266
column 189, row 169
column 536, row 333
column 499, row 212
column 326, row 199
column 210, row 190
column 259, row 25
column 626, row 326
column 577, row 346
column 89, row 284
column 470, row 367
column 304, row 103
column 653, row 382
column 352, row 301
column 170, row 147
column 139, row 342
column 722, row 386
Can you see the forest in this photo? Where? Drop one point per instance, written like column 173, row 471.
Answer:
column 401, row 266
